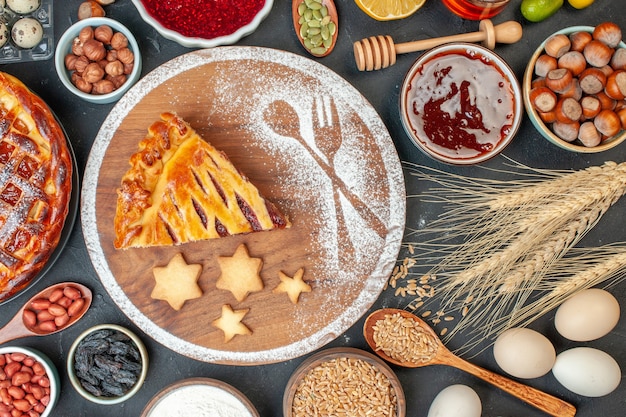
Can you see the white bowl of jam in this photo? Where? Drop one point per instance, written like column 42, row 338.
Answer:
column 204, row 24
column 461, row 104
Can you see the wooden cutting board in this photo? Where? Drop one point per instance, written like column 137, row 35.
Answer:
column 256, row 105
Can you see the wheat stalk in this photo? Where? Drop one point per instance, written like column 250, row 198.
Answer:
column 497, row 241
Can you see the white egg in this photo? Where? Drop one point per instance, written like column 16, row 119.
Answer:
column 587, row 371
column 456, row 401
column 588, row 315
column 23, row 6
column 524, row 353
column 27, row 33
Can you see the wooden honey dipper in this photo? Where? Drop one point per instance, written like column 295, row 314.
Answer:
column 378, row 52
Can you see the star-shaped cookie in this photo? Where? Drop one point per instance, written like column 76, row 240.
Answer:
column 240, row 273
column 292, row 286
column 230, row 322
column 176, row 282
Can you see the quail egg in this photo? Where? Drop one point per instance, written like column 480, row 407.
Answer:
column 27, row 32
column 4, row 34
column 23, row 6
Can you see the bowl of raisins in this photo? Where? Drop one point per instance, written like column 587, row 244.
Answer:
column 107, row 364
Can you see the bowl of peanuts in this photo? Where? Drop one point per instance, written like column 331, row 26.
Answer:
column 344, row 380
column 98, row 59
column 574, row 88
column 29, row 382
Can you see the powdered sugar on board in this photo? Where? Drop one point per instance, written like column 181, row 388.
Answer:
column 365, row 171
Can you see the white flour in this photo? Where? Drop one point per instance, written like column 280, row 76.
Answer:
column 199, row 401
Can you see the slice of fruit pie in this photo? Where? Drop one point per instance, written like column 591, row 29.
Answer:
column 181, row 189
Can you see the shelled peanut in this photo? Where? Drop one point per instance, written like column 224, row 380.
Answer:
column 49, row 314
column 579, row 85
column 100, row 60
column 24, row 386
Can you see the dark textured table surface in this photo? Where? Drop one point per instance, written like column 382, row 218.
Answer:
column 264, row 384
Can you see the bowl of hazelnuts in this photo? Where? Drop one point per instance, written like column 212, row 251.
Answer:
column 98, row 59
column 574, row 88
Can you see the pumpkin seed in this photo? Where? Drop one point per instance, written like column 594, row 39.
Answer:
column 316, row 26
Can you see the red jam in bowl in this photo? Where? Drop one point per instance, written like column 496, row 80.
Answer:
column 205, row 19
column 459, row 105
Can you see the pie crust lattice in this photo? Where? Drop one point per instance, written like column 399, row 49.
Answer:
column 35, row 184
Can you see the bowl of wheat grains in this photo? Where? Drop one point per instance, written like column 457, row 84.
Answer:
column 344, row 379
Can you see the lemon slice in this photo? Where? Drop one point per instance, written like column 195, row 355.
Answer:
column 389, row 9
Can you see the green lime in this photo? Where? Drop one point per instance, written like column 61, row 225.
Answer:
column 538, row 10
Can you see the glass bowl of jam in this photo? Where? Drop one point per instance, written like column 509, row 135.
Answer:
column 204, row 23
column 461, row 104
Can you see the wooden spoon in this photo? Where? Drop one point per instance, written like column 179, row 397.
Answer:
column 539, row 399
column 332, row 12
column 17, row 328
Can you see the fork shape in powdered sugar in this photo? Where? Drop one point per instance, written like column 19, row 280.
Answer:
column 284, row 120
column 328, row 139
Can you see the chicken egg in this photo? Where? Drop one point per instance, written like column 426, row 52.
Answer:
column 27, row 32
column 588, row 315
column 587, row 371
column 524, row 353
column 456, row 401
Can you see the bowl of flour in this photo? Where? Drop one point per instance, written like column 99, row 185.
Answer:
column 199, row 397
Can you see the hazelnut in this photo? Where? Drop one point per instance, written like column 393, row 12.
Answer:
column 114, row 68
column 568, row 110
column 547, row 117
column 543, row 99
column 579, row 40
column 559, row 80
column 557, row 45
column 117, row 80
column 618, row 60
column 609, row 33
column 573, row 91
column 103, row 87
column 80, row 83
column 81, row 64
column 591, row 106
column 606, row 102
column 85, row 34
column 616, row 85
column 89, row 9
column 125, row 55
column 70, row 62
column 77, row 47
column 119, row 41
column 573, row 61
column 128, row 68
column 93, row 73
column 111, row 55
column 104, row 34
column 544, row 64
column 94, row 50
column 597, row 53
column 608, row 123
column 566, row 131
column 589, row 135
column 592, row 80
column 621, row 113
